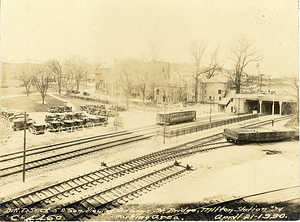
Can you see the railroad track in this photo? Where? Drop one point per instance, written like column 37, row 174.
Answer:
column 95, row 203
column 83, row 182
column 10, row 164
column 11, row 169
column 260, row 206
column 122, row 193
column 78, row 148
column 85, row 146
column 61, row 190
column 266, row 122
column 62, row 145
column 57, row 146
column 74, row 185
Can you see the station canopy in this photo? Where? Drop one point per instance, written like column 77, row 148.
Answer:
column 224, row 101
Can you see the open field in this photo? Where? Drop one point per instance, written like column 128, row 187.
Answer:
column 30, row 103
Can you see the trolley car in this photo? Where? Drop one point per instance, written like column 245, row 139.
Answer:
column 174, row 117
column 241, row 135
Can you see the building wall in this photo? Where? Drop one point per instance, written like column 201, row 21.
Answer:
column 173, row 94
column 11, row 71
column 106, row 81
column 213, row 91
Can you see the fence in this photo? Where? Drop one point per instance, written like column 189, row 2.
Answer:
column 169, row 133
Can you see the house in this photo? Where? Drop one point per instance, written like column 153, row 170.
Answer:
column 102, row 76
column 212, row 90
column 226, row 104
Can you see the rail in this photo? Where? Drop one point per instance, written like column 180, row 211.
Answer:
column 48, row 195
column 197, row 128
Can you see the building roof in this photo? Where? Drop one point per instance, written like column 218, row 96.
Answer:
column 230, row 94
column 214, row 80
column 224, row 101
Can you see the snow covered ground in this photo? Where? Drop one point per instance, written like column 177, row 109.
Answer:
column 221, row 174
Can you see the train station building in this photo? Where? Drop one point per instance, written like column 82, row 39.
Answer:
column 257, row 103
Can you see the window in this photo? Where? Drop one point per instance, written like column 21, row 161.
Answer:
column 219, row 91
column 220, row 98
column 209, row 97
column 204, row 91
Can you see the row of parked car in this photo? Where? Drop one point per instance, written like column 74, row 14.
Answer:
column 17, row 119
column 54, row 122
column 77, row 92
column 101, row 110
column 60, row 109
column 65, row 121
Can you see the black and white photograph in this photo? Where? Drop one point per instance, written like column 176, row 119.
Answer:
column 148, row 110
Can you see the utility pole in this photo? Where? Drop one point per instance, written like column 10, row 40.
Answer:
column 24, row 152
column 273, row 111
column 258, row 66
column 239, row 110
column 261, row 81
column 210, row 113
column 164, row 136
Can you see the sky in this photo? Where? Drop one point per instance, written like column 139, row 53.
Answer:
column 104, row 30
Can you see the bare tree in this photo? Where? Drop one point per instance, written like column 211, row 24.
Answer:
column 154, row 49
column 77, row 67
column 213, row 65
column 69, row 79
column 296, row 95
column 126, row 75
column 294, row 92
column 242, row 56
column 142, row 76
column 197, row 50
column 27, row 79
column 43, row 78
column 56, row 67
column 179, row 80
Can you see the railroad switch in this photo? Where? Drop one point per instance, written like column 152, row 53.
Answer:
column 176, row 163
column 103, row 164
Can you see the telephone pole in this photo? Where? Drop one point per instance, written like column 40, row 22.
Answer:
column 24, row 152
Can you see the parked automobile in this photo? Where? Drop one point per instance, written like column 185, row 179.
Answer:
column 18, row 116
column 50, row 118
column 18, row 124
column 75, row 92
column 86, row 94
column 52, row 109
column 55, row 126
column 68, row 108
column 60, row 109
column 37, row 129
